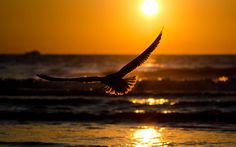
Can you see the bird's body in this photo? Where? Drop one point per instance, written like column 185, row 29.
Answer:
column 115, row 83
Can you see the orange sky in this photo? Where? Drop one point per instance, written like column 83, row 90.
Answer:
column 117, row 26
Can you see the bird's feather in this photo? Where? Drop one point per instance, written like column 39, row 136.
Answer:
column 140, row 59
column 120, row 86
column 79, row 79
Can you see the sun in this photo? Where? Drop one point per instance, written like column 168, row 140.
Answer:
column 150, row 7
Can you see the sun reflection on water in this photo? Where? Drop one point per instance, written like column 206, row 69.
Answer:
column 151, row 101
column 146, row 137
column 167, row 111
column 139, row 111
column 221, row 79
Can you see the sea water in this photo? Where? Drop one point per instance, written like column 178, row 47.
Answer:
column 178, row 101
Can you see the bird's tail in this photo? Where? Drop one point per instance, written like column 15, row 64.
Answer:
column 120, row 86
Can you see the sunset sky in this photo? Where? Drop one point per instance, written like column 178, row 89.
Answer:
column 117, row 26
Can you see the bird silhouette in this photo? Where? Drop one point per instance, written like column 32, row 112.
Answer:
column 115, row 83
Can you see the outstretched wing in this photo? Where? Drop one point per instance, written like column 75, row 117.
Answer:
column 140, row 59
column 79, row 79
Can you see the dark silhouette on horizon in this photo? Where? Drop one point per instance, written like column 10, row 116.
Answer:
column 115, row 83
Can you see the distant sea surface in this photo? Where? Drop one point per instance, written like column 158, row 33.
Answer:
column 26, row 66
column 177, row 101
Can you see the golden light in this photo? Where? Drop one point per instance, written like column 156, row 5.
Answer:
column 222, row 79
column 150, row 101
column 139, row 111
column 167, row 111
column 146, row 137
column 150, row 7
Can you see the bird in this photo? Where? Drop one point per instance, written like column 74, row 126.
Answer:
column 115, row 83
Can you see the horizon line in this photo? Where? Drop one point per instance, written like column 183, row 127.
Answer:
column 155, row 54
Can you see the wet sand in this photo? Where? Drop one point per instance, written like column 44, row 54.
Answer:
column 97, row 134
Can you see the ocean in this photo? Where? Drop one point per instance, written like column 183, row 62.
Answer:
column 179, row 100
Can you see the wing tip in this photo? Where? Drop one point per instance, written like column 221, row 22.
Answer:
column 162, row 29
column 161, row 32
column 158, row 39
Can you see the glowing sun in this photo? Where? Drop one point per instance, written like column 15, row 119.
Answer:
column 150, row 7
